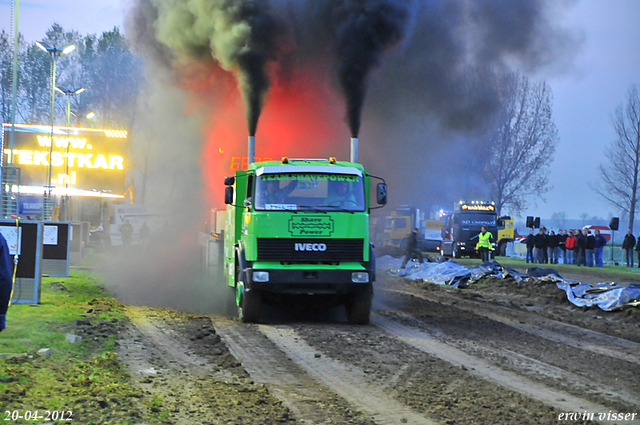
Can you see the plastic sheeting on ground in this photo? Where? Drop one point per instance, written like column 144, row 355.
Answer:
column 608, row 296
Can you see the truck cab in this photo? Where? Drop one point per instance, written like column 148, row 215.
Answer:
column 461, row 228
column 300, row 228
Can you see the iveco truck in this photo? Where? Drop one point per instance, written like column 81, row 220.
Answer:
column 298, row 230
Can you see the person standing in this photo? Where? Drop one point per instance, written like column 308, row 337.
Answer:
column 552, row 247
column 145, row 235
column 589, row 248
column 127, row 233
column 484, row 244
column 412, row 250
column 638, row 250
column 562, row 248
column 530, row 245
column 545, row 252
column 600, row 243
column 540, row 243
column 581, row 241
column 628, row 244
column 570, row 245
column 6, row 280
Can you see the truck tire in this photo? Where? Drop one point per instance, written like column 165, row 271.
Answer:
column 249, row 309
column 248, row 301
column 359, row 308
column 502, row 249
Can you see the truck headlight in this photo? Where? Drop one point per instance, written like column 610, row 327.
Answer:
column 261, row 276
column 360, row 277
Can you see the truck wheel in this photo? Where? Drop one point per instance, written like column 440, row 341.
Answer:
column 502, row 249
column 249, row 309
column 359, row 308
column 248, row 301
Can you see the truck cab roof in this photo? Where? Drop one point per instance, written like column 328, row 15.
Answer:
column 307, row 165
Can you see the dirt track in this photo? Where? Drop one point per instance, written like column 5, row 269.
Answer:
column 431, row 355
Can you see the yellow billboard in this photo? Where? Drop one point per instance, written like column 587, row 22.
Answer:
column 81, row 159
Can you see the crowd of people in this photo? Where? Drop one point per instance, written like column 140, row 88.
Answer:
column 575, row 246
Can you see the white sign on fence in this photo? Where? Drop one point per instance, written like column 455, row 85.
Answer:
column 13, row 236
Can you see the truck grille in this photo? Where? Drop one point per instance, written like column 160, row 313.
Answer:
column 281, row 249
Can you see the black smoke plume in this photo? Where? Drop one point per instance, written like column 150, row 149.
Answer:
column 365, row 29
column 240, row 35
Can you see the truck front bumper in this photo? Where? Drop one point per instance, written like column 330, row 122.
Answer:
column 301, row 281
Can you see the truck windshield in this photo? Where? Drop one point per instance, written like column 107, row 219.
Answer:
column 313, row 192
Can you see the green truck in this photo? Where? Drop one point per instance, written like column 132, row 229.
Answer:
column 297, row 228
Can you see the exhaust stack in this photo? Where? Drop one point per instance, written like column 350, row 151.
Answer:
column 252, row 149
column 354, row 149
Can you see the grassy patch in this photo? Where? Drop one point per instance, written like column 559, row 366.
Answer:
column 84, row 378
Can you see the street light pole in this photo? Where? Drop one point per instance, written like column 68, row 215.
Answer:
column 65, row 199
column 55, row 53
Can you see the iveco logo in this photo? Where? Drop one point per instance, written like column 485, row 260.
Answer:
column 310, row 247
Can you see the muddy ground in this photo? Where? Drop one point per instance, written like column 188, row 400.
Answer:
column 492, row 353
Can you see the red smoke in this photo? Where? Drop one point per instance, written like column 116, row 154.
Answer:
column 302, row 118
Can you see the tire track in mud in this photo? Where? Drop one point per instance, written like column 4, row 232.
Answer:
column 552, row 330
column 483, row 369
column 189, row 376
column 348, row 381
column 599, row 378
column 517, row 362
column 305, row 397
column 314, row 388
column 153, row 356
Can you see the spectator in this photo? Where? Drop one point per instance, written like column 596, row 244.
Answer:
column 6, row 280
column 581, row 241
column 540, row 243
column 127, row 233
column 552, row 247
column 628, row 244
column 530, row 245
column 600, row 243
column 412, row 250
column 638, row 250
column 562, row 242
column 589, row 248
column 545, row 253
column 145, row 234
column 570, row 245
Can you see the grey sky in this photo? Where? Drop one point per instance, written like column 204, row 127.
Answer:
column 586, row 94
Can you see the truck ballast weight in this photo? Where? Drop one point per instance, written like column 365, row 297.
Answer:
column 300, row 227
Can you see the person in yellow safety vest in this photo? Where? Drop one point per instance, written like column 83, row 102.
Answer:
column 484, row 244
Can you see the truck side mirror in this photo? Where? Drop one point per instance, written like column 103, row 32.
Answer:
column 228, row 181
column 228, row 194
column 382, row 194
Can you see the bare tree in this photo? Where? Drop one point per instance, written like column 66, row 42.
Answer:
column 621, row 175
column 584, row 217
column 560, row 218
column 522, row 142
